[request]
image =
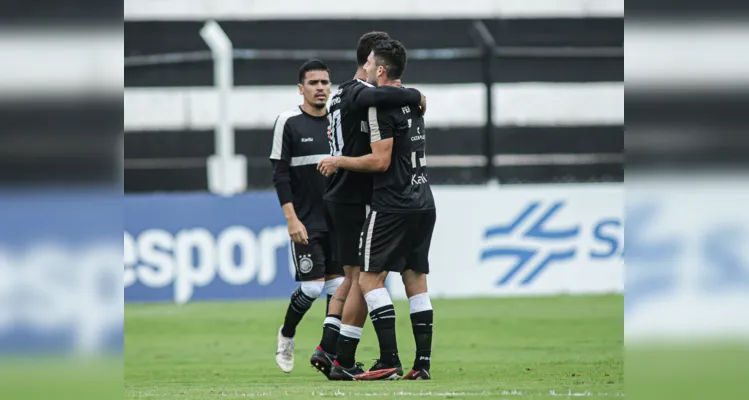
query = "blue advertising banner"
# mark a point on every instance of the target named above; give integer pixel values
(189, 247)
(60, 277)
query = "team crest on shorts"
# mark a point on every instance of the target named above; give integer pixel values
(305, 263)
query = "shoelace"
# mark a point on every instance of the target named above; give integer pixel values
(288, 349)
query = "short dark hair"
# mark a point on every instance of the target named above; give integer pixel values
(312, 65)
(391, 54)
(367, 42)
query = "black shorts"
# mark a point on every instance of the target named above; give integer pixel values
(345, 223)
(397, 241)
(313, 260)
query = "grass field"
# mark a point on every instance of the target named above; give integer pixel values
(530, 348)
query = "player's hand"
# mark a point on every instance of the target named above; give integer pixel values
(327, 166)
(298, 232)
(423, 104)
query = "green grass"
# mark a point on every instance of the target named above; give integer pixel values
(49, 377)
(483, 348)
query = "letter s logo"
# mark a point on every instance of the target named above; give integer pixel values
(603, 235)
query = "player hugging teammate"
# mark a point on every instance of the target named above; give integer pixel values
(379, 216)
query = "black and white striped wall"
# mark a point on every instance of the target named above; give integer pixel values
(557, 118)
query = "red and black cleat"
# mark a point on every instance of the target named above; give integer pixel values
(339, 373)
(418, 374)
(322, 361)
(382, 371)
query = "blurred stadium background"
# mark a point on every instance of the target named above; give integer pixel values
(526, 158)
(556, 77)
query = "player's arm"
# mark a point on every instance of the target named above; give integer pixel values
(381, 130)
(377, 161)
(281, 160)
(389, 97)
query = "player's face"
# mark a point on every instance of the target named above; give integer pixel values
(315, 88)
(372, 69)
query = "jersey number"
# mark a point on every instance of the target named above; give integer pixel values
(418, 159)
(335, 138)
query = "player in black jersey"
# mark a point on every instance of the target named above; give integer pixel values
(349, 193)
(300, 140)
(397, 233)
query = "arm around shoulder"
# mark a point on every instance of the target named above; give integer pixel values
(387, 97)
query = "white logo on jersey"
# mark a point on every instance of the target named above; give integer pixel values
(418, 180)
(307, 139)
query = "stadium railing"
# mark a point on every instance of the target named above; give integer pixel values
(485, 50)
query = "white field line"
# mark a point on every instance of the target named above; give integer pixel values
(340, 393)
(518, 393)
(149, 393)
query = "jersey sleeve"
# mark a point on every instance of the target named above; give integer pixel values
(281, 149)
(387, 97)
(282, 180)
(280, 156)
(381, 126)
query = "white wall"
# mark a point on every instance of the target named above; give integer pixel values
(591, 215)
(391, 9)
(464, 105)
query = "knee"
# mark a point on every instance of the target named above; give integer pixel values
(313, 289)
(414, 282)
(371, 280)
(413, 277)
(351, 273)
(331, 285)
(355, 277)
(363, 279)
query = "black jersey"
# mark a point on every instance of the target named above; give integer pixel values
(349, 134)
(300, 141)
(404, 187)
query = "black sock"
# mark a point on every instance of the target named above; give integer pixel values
(383, 320)
(330, 332)
(346, 350)
(300, 303)
(421, 322)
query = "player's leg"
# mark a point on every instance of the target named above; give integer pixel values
(347, 221)
(415, 281)
(310, 270)
(336, 287)
(322, 359)
(382, 313)
(352, 322)
(383, 250)
(345, 366)
(422, 320)
(332, 283)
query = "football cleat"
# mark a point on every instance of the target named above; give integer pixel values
(382, 371)
(322, 361)
(339, 373)
(285, 352)
(418, 374)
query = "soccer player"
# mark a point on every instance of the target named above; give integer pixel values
(300, 140)
(398, 231)
(347, 198)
